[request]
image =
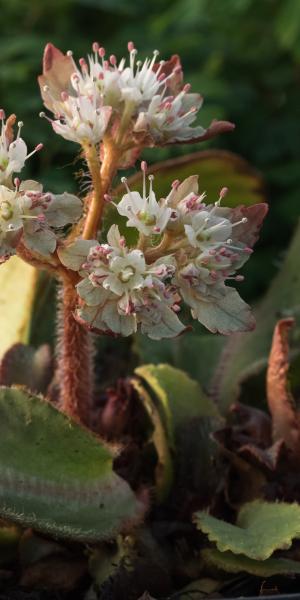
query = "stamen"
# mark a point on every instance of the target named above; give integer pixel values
(113, 60)
(144, 167)
(151, 178)
(83, 64)
(2, 114)
(20, 125)
(130, 46)
(101, 52)
(241, 222)
(36, 149)
(70, 53)
(95, 47)
(17, 183)
(223, 192)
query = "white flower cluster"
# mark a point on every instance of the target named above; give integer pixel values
(187, 251)
(147, 99)
(27, 213)
(121, 291)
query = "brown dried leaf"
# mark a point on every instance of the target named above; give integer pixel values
(286, 424)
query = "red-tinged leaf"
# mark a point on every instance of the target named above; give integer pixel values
(173, 70)
(249, 232)
(286, 423)
(57, 70)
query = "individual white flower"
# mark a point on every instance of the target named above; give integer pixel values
(32, 215)
(169, 120)
(80, 120)
(208, 230)
(218, 307)
(144, 212)
(13, 152)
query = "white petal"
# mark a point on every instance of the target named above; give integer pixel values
(74, 255)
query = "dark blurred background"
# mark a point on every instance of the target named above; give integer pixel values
(242, 55)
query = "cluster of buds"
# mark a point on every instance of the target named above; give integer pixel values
(187, 250)
(138, 103)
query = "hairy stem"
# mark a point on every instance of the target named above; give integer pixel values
(101, 179)
(75, 371)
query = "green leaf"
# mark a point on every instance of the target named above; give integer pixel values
(247, 354)
(183, 419)
(216, 169)
(192, 352)
(261, 528)
(180, 397)
(17, 292)
(233, 563)
(164, 467)
(56, 476)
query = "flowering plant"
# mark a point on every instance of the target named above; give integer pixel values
(186, 250)
(166, 261)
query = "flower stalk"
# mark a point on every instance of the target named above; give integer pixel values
(75, 370)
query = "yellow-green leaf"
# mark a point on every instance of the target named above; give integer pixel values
(261, 528)
(236, 563)
(17, 292)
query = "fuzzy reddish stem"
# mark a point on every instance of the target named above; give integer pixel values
(75, 371)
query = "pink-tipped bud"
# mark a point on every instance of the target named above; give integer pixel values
(122, 242)
(144, 166)
(17, 182)
(175, 184)
(101, 52)
(2, 114)
(95, 47)
(157, 229)
(223, 192)
(113, 60)
(187, 87)
(64, 96)
(130, 46)
(107, 198)
(240, 278)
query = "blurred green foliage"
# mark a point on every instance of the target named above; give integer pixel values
(242, 55)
